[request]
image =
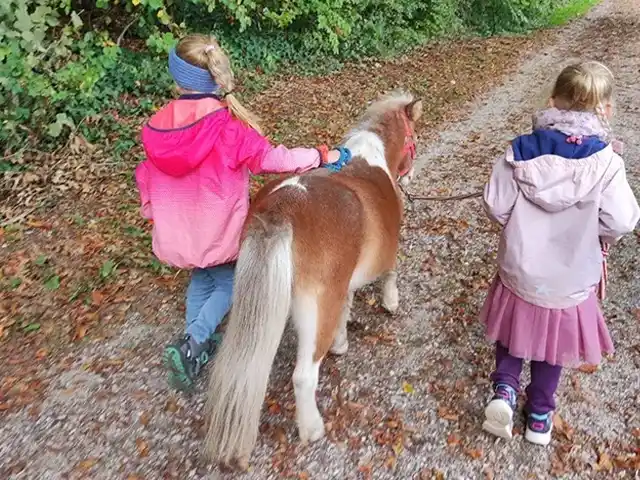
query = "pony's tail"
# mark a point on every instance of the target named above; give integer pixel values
(261, 304)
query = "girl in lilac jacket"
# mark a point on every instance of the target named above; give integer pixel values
(558, 193)
(194, 185)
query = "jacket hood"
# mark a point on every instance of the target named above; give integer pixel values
(555, 174)
(180, 136)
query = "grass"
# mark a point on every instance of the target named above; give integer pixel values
(573, 9)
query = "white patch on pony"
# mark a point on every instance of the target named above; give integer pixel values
(305, 376)
(370, 147)
(361, 276)
(290, 182)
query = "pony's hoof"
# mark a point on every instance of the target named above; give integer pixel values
(235, 464)
(390, 300)
(340, 349)
(390, 307)
(312, 432)
(242, 463)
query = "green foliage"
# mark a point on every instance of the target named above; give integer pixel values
(63, 62)
(571, 10)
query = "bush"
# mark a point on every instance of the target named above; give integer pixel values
(62, 61)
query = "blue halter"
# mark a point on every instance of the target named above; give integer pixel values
(345, 158)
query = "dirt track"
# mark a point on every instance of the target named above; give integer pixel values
(407, 400)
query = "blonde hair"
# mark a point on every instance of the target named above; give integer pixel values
(587, 87)
(204, 51)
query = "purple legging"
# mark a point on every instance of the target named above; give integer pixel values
(544, 380)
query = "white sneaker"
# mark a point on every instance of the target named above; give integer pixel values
(499, 412)
(539, 427)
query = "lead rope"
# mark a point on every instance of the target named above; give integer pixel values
(464, 196)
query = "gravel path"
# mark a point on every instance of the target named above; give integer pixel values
(407, 400)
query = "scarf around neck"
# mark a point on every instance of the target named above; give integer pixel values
(575, 124)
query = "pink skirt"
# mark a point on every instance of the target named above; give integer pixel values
(567, 336)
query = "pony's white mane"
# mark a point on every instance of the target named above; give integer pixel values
(367, 144)
(391, 101)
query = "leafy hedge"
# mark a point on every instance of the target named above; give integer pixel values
(65, 61)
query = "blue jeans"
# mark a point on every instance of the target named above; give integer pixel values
(208, 299)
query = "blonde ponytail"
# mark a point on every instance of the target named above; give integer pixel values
(205, 52)
(241, 113)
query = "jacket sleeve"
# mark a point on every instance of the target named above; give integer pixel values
(501, 192)
(257, 153)
(619, 211)
(142, 180)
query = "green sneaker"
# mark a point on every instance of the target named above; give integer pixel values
(185, 359)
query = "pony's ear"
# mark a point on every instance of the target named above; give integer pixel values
(414, 110)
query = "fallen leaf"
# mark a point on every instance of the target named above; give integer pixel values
(474, 453)
(107, 269)
(279, 435)
(87, 464)
(80, 333)
(133, 476)
(143, 447)
(391, 462)
(171, 405)
(631, 462)
(16, 468)
(145, 417)
(303, 476)
(562, 427)
(407, 388)
(97, 297)
(53, 283)
(42, 353)
(39, 224)
(398, 447)
(274, 408)
(140, 395)
(588, 368)
(444, 412)
(365, 470)
(431, 474)
(371, 301)
(604, 463)
(453, 440)
(636, 432)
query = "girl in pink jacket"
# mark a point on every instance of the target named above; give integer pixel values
(194, 185)
(558, 193)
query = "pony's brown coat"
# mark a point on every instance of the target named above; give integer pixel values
(343, 232)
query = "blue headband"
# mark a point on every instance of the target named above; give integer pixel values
(189, 76)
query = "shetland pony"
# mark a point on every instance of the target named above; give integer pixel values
(309, 242)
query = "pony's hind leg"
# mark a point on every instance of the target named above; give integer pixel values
(341, 342)
(316, 318)
(390, 300)
(305, 375)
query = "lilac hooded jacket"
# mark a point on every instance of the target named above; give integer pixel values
(556, 201)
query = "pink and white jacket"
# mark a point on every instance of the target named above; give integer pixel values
(557, 198)
(194, 184)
